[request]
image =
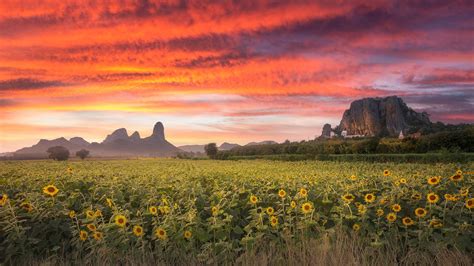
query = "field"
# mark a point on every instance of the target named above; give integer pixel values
(246, 212)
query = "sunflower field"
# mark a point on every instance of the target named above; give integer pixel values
(217, 210)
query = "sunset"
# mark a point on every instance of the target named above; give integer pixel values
(242, 71)
(240, 132)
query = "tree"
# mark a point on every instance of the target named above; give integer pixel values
(58, 153)
(211, 150)
(82, 153)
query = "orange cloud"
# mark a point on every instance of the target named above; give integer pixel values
(210, 61)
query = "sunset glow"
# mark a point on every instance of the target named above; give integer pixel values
(215, 71)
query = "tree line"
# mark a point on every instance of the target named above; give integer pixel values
(458, 140)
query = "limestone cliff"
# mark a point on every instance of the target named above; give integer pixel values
(381, 117)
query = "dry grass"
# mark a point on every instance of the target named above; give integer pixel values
(338, 249)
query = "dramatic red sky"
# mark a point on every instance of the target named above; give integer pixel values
(234, 71)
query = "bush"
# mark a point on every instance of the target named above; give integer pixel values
(58, 153)
(211, 150)
(82, 154)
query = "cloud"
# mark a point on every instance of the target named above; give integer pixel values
(29, 84)
(442, 78)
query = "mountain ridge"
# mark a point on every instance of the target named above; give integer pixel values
(118, 143)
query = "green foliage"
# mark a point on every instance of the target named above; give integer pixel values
(211, 150)
(456, 140)
(58, 153)
(212, 199)
(82, 154)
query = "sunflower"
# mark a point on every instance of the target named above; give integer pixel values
(120, 220)
(26, 206)
(456, 177)
(435, 223)
(160, 233)
(464, 191)
(420, 212)
(110, 203)
(3, 199)
(449, 197)
(164, 209)
(391, 217)
(187, 234)
(306, 207)
(83, 235)
(402, 181)
(281, 193)
(274, 221)
(470, 203)
(416, 196)
(396, 207)
(98, 236)
(459, 172)
(362, 209)
(434, 180)
(72, 214)
(90, 214)
(214, 211)
(270, 211)
(138, 230)
(386, 172)
(353, 178)
(153, 210)
(303, 192)
(383, 201)
(356, 227)
(50, 190)
(348, 198)
(407, 221)
(369, 198)
(293, 204)
(432, 198)
(91, 227)
(380, 212)
(253, 199)
(98, 213)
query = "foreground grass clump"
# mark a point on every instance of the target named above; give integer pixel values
(245, 212)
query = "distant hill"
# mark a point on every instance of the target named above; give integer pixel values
(227, 146)
(118, 143)
(200, 148)
(192, 148)
(265, 142)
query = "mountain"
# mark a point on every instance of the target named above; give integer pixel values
(39, 149)
(118, 143)
(135, 136)
(228, 146)
(78, 141)
(192, 148)
(200, 148)
(265, 142)
(379, 117)
(120, 133)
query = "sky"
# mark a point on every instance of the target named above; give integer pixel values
(215, 71)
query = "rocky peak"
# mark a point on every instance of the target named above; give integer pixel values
(381, 117)
(78, 141)
(135, 136)
(227, 146)
(120, 133)
(158, 131)
(326, 133)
